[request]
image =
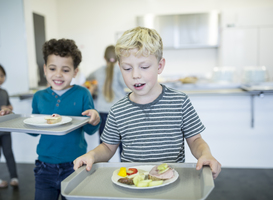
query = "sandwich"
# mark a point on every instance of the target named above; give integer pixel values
(53, 119)
(161, 172)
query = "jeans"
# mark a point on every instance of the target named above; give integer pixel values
(5, 144)
(48, 178)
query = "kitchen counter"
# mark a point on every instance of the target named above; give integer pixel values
(219, 89)
(194, 89)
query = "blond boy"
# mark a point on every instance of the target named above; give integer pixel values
(153, 120)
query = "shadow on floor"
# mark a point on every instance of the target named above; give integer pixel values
(231, 184)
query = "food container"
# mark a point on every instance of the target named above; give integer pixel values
(254, 75)
(97, 184)
(223, 75)
(15, 123)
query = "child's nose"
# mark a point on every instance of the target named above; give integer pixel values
(136, 74)
(58, 73)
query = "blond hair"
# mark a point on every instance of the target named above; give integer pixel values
(111, 59)
(146, 41)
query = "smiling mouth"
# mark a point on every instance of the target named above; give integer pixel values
(58, 82)
(139, 84)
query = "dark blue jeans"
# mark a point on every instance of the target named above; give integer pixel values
(48, 178)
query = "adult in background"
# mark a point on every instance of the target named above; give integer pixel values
(109, 87)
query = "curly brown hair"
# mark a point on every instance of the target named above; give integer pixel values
(63, 48)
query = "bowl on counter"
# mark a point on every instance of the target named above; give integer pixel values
(223, 75)
(254, 75)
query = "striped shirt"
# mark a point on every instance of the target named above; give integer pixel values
(153, 132)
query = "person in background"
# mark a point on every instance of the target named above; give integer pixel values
(79, 79)
(109, 86)
(56, 153)
(5, 137)
(153, 120)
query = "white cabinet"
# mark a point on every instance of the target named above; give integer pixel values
(246, 39)
(266, 49)
(229, 134)
(239, 47)
(249, 17)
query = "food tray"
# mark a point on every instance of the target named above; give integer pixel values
(96, 184)
(14, 123)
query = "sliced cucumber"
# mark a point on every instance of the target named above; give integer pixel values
(162, 166)
(162, 171)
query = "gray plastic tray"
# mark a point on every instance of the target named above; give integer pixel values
(14, 123)
(97, 184)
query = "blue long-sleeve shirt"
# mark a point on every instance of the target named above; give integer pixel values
(65, 148)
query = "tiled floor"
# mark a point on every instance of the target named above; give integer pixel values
(232, 184)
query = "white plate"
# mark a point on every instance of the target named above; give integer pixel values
(40, 121)
(116, 177)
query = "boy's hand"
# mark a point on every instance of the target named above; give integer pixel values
(201, 151)
(94, 116)
(208, 159)
(5, 110)
(87, 159)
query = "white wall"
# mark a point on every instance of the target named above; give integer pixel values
(94, 24)
(13, 55)
(48, 9)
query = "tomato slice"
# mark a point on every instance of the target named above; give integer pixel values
(131, 171)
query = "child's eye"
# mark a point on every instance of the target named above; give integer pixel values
(127, 69)
(51, 69)
(145, 67)
(66, 71)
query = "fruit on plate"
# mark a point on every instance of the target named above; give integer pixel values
(131, 171)
(155, 183)
(122, 172)
(88, 84)
(144, 183)
(138, 178)
(161, 172)
(163, 168)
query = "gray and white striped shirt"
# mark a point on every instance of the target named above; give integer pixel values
(153, 132)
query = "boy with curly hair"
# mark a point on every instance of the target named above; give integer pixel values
(153, 120)
(56, 153)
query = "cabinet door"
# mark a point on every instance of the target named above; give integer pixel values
(239, 47)
(232, 140)
(266, 49)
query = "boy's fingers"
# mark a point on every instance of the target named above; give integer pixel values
(89, 165)
(216, 169)
(92, 119)
(85, 113)
(77, 164)
(199, 165)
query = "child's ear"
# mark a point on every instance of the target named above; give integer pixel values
(75, 72)
(161, 65)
